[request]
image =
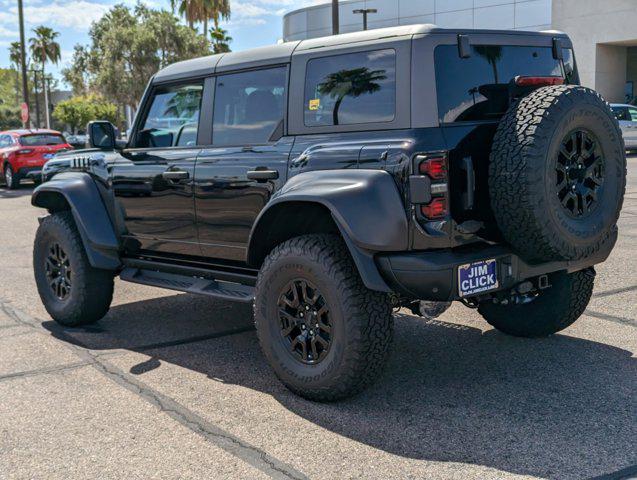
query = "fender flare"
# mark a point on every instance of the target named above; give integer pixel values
(366, 207)
(82, 196)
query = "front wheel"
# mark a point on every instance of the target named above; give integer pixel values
(323, 332)
(72, 291)
(547, 312)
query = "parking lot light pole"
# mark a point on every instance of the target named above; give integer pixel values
(335, 19)
(364, 12)
(23, 61)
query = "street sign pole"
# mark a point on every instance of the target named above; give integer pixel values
(23, 61)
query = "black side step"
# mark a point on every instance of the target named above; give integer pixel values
(203, 286)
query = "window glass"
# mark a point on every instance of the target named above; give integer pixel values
(41, 139)
(173, 117)
(5, 141)
(570, 71)
(248, 106)
(476, 88)
(350, 89)
(633, 114)
(621, 113)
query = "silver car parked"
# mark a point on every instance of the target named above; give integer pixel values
(627, 116)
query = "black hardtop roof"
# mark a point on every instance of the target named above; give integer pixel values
(282, 53)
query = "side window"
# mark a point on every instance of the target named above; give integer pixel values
(352, 88)
(633, 114)
(248, 106)
(173, 117)
(5, 141)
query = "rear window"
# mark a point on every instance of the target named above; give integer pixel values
(41, 139)
(476, 88)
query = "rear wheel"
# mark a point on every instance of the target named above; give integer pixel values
(324, 333)
(547, 312)
(72, 291)
(11, 179)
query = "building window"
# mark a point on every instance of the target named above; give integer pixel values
(249, 106)
(350, 89)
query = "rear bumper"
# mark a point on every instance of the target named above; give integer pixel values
(33, 173)
(433, 275)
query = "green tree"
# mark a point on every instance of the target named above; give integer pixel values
(15, 58)
(77, 74)
(44, 48)
(77, 111)
(129, 45)
(9, 117)
(220, 40)
(350, 83)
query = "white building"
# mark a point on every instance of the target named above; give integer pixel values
(604, 32)
(316, 21)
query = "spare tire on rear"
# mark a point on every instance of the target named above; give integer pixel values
(557, 174)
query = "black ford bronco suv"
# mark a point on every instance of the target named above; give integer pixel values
(331, 180)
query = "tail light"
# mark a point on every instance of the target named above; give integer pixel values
(24, 151)
(434, 171)
(538, 81)
(437, 208)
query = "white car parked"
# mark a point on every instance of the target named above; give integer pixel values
(627, 116)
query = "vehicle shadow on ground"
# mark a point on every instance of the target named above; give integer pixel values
(561, 407)
(22, 191)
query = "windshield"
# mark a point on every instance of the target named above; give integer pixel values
(41, 139)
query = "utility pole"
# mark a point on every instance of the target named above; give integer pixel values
(46, 102)
(365, 12)
(37, 101)
(23, 61)
(335, 20)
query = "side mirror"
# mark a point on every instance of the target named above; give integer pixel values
(101, 134)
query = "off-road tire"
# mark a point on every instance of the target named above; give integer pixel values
(362, 319)
(91, 290)
(14, 182)
(552, 311)
(522, 173)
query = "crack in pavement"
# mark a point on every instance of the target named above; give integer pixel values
(615, 291)
(250, 454)
(611, 318)
(44, 370)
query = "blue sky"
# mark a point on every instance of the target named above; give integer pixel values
(253, 23)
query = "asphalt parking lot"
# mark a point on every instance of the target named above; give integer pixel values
(174, 386)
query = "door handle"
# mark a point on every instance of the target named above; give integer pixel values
(175, 175)
(262, 175)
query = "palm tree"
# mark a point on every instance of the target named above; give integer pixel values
(15, 57)
(492, 54)
(191, 10)
(218, 10)
(350, 83)
(44, 48)
(220, 40)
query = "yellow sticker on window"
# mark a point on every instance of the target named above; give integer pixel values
(314, 104)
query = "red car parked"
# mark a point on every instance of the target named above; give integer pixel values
(24, 152)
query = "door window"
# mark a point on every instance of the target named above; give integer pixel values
(621, 113)
(173, 118)
(352, 88)
(5, 141)
(633, 114)
(249, 106)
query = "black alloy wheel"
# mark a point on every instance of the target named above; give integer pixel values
(579, 173)
(58, 271)
(305, 322)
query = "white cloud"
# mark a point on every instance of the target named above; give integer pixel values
(76, 14)
(7, 32)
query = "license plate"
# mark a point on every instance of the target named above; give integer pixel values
(477, 277)
(48, 156)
